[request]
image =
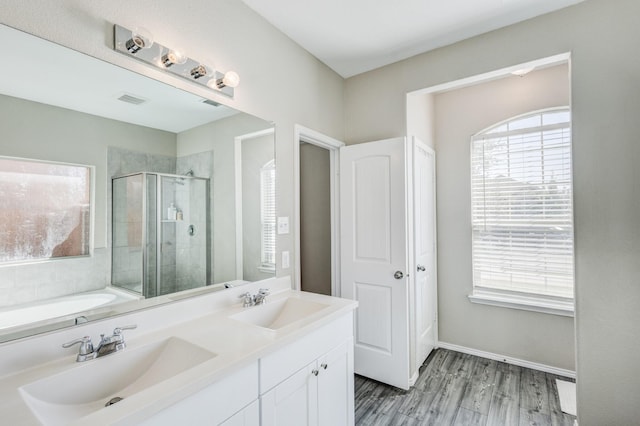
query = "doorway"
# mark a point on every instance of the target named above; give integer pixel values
(316, 203)
(315, 219)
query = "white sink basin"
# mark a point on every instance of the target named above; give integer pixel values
(279, 313)
(86, 388)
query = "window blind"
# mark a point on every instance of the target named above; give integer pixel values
(268, 214)
(521, 205)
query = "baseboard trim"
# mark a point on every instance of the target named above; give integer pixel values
(509, 360)
(413, 379)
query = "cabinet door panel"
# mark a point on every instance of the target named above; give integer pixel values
(335, 386)
(293, 402)
(250, 416)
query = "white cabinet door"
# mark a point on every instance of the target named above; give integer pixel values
(373, 220)
(424, 246)
(250, 416)
(335, 387)
(293, 402)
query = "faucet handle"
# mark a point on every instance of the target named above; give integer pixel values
(248, 299)
(86, 345)
(118, 330)
(264, 291)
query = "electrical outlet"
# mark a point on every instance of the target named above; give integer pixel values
(283, 225)
(285, 260)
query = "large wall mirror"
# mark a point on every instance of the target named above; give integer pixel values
(120, 192)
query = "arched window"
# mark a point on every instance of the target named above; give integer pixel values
(268, 215)
(522, 208)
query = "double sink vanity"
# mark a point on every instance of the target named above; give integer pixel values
(200, 360)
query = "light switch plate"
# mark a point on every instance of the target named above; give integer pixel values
(283, 225)
(285, 260)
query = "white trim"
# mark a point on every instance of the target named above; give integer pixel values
(526, 302)
(509, 360)
(303, 134)
(414, 378)
(492, 75)
(237, 153)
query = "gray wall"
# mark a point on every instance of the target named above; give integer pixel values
(605, 90)
(458, 115)
(315, 219)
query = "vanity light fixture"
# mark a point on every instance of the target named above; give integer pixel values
(140, 45)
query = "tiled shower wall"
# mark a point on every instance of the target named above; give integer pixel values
(192, 250)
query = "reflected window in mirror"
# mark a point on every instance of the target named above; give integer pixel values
(268, 215)
(46, 210)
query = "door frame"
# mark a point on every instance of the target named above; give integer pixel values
(304, 134)
(237, 155)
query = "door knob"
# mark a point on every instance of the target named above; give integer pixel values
(398, 275)
(421, 268)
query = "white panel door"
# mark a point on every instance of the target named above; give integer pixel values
(424, 244)
(374, 256)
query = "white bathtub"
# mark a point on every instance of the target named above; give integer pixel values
(57, 307)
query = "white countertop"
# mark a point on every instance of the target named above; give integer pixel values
(236, 344)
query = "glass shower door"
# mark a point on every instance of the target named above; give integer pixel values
(183, 242)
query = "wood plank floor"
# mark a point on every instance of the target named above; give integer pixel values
(460, 389)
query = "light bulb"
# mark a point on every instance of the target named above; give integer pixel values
(173, 57)
(140, 39)
(231, 79)
(200, 71)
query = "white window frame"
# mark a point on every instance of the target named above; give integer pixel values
(89, 235)
(518, 299)
(267, 218)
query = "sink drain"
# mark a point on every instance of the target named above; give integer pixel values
(113, 401)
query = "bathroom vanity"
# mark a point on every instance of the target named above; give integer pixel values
(204, 360)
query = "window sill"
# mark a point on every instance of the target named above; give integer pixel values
(527, 302)
(267, 269)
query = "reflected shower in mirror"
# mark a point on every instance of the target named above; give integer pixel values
(165, 198)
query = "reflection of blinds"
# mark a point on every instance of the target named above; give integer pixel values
(521, 205)
(268, 214)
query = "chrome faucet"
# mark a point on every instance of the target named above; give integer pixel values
(261, 297)
(252, 300)
(107, 345)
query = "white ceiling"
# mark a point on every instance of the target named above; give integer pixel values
(354, 36)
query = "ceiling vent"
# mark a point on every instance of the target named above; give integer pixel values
(210, 102)
(131, 99)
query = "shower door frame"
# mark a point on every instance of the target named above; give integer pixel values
(159, 228)
(158, 222)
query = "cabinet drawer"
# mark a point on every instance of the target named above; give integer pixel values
(277, 366)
